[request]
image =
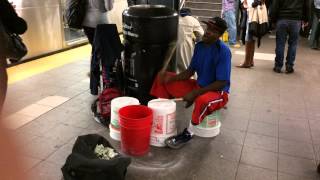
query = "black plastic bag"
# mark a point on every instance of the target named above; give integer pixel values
(75, 13)
(83, 164)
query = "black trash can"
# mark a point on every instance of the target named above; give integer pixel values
(149, 31)
(174, 4)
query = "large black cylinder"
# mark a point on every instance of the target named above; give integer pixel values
(149, 31)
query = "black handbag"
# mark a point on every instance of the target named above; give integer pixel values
(12, 46)
(83, 163)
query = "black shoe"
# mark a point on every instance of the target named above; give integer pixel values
(277, 69)
(176, 142)
(289, 70)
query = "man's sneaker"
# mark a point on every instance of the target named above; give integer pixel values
(176, 142)
(289, 70)
(277, 69)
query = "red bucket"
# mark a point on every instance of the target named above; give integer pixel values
(135, 128)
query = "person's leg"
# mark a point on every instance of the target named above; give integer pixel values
(281, 38)
(3, 81)
(317, 34)
(312, 41)
(89, 32)
(230, 18)
(206, 104)
(293, 30)
(243, 26)
(249, 50)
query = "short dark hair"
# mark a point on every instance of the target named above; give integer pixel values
(185, 12)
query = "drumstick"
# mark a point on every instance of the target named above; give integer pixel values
(167, 58)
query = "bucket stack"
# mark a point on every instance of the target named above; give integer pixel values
(135, 126)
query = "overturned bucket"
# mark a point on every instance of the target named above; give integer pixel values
(135, 128)
(209, 127)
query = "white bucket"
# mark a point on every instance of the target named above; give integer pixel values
(206, 132)
(164, 120)
(158, 140)
(116, 104)
(210, 120)
(114, 133)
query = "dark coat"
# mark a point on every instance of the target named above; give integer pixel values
(289, 9)
(10, 19)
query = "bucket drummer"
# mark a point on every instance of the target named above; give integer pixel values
(212, 63)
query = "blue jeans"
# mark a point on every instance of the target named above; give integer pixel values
(286, 28)
(230, 17)
(315, 34)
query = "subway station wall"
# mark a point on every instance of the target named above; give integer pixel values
(46, 28)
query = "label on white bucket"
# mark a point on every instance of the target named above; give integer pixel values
(118, 103)
(210, 120)
(164, 116)
(171, 123)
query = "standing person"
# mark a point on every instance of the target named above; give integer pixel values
(249, 39)
(315, 34)
(229, 15)
(243, 23)
(212, 63)
(96, 14)
(288, 15)
(14, 24)
(189, 27)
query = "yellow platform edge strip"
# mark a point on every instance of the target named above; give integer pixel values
(26, 70)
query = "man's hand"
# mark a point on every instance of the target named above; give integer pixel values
(189, 98)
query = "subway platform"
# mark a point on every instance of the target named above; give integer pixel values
(270, 128)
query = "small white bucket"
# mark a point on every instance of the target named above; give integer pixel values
(210, 120)
(164, 120)
(206, 132)
(116, 104)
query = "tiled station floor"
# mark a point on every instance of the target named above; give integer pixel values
(270, 129)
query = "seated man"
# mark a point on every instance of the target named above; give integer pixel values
(212, 63)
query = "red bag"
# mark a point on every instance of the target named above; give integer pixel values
(103, 112)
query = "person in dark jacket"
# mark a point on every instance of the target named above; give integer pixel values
(12, 23)
(287, 14)
(315, 34)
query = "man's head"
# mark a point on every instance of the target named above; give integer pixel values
(215, 28)
(185, 12)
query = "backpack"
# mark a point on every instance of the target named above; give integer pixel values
(75, 13)
(101, 107)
